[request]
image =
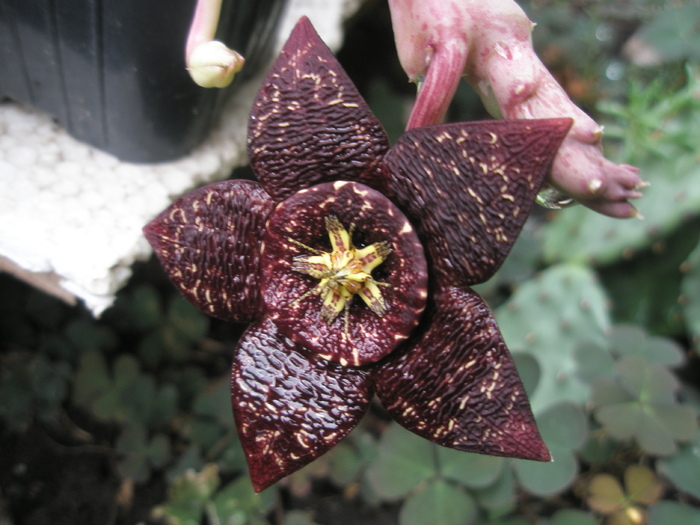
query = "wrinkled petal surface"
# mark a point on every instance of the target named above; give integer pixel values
(209, 243)
(309, 124)
(457, 386)
(290, 406)
(364, 337)
(469, 188)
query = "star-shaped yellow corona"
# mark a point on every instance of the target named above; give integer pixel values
(344, 272)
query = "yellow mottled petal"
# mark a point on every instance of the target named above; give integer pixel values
(373, 255)
(333, 303)
(313, 265)
(372, 296)
(340, 238)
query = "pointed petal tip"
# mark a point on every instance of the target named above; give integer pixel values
(303, 31)
(151, 233)
(477, 402)
(539, 450)
(259, 479)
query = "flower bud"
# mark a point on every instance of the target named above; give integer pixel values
(212, 64)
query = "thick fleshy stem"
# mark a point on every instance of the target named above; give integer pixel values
(490, 44)
(209, 62)
(437, 89)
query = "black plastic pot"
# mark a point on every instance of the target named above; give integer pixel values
(112, 72)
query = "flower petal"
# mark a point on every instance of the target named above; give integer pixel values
(290, 406)
(209, 243)
(309, 124)
(457, 384)
(468, 188)
(374, 323)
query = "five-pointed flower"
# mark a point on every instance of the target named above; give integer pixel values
(353, 260)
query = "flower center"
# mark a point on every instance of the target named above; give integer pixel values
(344, 272)
(328, 243)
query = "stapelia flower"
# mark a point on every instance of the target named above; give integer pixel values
(490, 44)
(352, 261)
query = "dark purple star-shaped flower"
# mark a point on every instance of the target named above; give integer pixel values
(353, 261)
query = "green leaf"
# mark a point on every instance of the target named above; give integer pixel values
(528, 370)
(680, 420)
(500, 495)
(647, 287)
(572, 517)
(188, 495)
(351, 457)
(404, 460)
(189, 322)
(629, 340)
(159, 450)
(191, 460)
(598, 450)
(593, 360)
(607, 391)
(345, 464)
(136, 310)
(642, 406)
(87, 335)
(690, 287)
(564, 426)
(627, 421)
(92, 379)
(470, 470)
(683, 468)
(237, 499)
(646, 382)
(438, 503)
(214, 403)
(137, 455)
(547, 318)
(668, 512)
(547, 479)
(133, 454)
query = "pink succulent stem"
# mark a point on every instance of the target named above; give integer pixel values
(490, 44)
(204, 23)
(439, 86)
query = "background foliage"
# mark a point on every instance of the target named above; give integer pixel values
(126, 419)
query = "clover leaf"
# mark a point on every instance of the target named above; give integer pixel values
(682, 468)
(440, 485)
(624, 506)
(666, 512)
(640, 404)
(439, 503)
(595, 360)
